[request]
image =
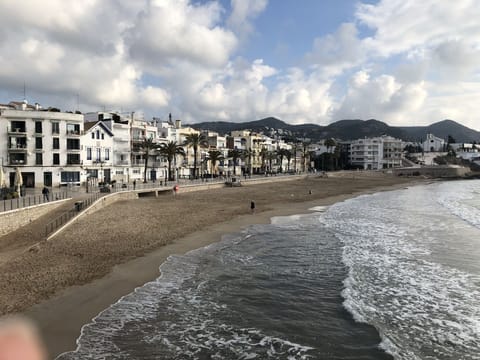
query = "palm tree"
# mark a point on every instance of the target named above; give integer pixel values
(235, 154)
(195, 141)
(270, 156)
(330, 143)
(170, 150)
(281, 154)
(147, 146)
(305, 154)
(288, 155)
(295, 150)
(249, 154)
(214, 156)
(263, 155)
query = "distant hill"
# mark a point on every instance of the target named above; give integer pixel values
(345, 129)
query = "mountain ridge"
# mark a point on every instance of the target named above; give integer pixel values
(346, 129)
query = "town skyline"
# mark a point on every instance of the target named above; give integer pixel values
(244, 60)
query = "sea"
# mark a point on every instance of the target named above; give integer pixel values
(391, 275)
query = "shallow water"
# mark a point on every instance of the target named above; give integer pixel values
(391, 273)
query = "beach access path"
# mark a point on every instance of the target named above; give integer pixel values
(104, 256)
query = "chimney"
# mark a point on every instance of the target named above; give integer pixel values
(24, 104)
(178, 124)
(37, 106)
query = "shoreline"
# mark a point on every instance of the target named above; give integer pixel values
(61, 317)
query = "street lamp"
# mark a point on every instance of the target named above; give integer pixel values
(165, 173)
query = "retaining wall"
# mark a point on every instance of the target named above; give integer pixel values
(14, 219)
(433, 171)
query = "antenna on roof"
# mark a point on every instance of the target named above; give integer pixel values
(78, 101)
(24, 91)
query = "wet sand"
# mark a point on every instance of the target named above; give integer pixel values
(71, 278)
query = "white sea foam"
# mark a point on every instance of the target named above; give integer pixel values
(422, 308)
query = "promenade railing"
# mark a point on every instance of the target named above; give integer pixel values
(31, 200)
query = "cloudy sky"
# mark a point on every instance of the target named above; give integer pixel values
(405, 62)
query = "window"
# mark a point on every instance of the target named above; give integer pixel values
(73, 159)
(89, 153)
(55, 128)
(107, 154)
(70, 176)
(73, 144)
(103, 136)
(38, 143)
(56, 143)
(38, 127)
(98, 134)
(99, 155)
(93, 135)
(39, 159)
(56, 159)
(73, 129)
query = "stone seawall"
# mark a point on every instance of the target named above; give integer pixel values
(433, 171)
(14, 219)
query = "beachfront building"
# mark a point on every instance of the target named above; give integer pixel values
(376, 153)
(433, 143)
(45, 144)
(97, 153)
(253, 143)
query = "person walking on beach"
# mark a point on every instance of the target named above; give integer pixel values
(175, 190)
(252, 206)
(134, 184)
(45, 193)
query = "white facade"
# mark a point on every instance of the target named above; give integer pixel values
(376, 153)
(433, 144)
(45, 145)
(97, 152)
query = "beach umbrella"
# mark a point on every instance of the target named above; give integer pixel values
(18, 180)
(2, 178)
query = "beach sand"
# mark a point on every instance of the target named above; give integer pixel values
(68, 280)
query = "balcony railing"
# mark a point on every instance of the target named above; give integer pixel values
(17, 162)
(74, 162)
(17, 130)
(73, 132)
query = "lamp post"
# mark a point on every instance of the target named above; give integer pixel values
(165, 174)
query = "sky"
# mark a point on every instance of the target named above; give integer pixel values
(404, 62)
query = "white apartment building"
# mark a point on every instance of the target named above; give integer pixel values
(376, 153)
(45, 145)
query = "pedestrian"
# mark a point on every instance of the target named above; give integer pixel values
(175, 189)
(45, 193)
(252, 206)
(134, 184)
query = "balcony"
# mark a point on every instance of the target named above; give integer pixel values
(74, 162)
(73, 133)
(17, 131)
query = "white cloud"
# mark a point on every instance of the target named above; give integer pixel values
(243, 12)
(381, 98)
(338, 51)
(419, 64)
(168, 31)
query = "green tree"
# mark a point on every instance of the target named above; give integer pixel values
(148, 146)
(235, 154)
(249, 154)
(305, 154)
(263, 156)
(270, 157)
(214, 156)
(196, 141)
(330, 143)
(170, 150)
(288, 155)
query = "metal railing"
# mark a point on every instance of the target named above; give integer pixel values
(31, 200)
(55, 224)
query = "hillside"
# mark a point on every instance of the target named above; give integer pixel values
(345, 129)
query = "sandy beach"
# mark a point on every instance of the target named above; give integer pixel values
(106, 255)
